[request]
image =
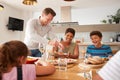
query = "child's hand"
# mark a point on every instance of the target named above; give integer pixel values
(41, 63)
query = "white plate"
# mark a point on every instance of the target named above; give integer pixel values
(69, 61)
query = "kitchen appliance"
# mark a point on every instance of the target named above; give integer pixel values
(118, 37)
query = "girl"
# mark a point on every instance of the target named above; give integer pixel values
(13, 56)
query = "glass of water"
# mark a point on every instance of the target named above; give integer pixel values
(42, 48)
(62, 63)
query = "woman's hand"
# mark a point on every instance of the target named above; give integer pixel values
(56, 43)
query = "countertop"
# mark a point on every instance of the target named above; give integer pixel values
(107, 43)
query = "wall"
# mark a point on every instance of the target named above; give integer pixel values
(83, 31)
(88, 16)
(84, 16)
(93, 15)
(5, 34)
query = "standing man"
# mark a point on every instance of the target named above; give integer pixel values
(38, 31)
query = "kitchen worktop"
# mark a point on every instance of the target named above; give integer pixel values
(115, 46)
(107, 43)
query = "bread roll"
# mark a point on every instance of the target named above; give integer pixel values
(94, 60)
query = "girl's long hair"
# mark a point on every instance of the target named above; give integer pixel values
(10, 52)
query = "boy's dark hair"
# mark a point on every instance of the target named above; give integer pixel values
(98, 33)
(49, 10)
(71, 30)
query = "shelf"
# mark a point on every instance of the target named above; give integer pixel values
(89, 28)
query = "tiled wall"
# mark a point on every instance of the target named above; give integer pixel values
(85, 36)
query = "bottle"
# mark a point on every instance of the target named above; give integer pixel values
(111, 39)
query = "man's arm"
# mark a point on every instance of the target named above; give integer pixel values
(32, 33)
(51, 35)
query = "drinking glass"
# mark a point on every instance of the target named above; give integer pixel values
(87, 55)
(82, 52)
(42, 48)
(62, 63)
(109, 56)
(50, 52)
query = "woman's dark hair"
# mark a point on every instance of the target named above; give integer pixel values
(71, 30)
(98, 33)
(49, 10)
(10, 52)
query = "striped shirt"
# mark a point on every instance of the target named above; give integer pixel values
(111, 70)
(103, 51)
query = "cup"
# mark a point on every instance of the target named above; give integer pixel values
(62, 63)
(42, 48)
(109, 56)
(82, 54)
(86, 57)
(50, 52)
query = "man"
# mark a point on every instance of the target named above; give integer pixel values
(111, 70)
(38, 31)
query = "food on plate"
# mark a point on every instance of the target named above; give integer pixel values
(94, 60)
(55, 62)
(105, 59)
(31, 60)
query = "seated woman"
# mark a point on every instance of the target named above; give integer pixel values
(98, 49)
(70, 49)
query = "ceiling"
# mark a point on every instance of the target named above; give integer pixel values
(55, 4)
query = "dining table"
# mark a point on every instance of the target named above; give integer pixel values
(73, 72)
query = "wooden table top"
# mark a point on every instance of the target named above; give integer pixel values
(73, 73)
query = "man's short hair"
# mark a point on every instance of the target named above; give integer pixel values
(49, 10)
